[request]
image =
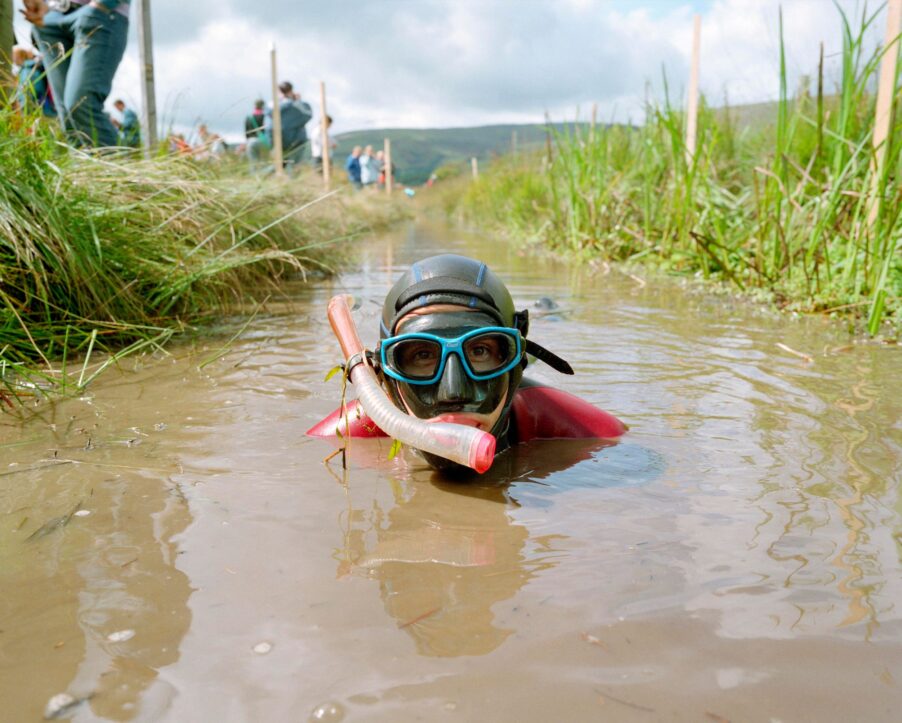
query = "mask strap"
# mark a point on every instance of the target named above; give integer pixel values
(550, 358)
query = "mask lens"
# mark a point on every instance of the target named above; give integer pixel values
(489, 352)
(414, 358)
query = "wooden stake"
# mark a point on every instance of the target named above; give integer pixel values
(148, 92)
(474, 167)
(692, 111)
(324, 128)
(594, 121)
(388, 166)
(885, 93)
(7, 40)
(514, 143)
(276, 115)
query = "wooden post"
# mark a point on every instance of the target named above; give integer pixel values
(549, 154)
(692, 111)
(885, 93)
(474, 167)
(514, 143)
(324, 128)
(7, 40)
(148, 91)
(594, 122)
(276, 115)
(388, 166)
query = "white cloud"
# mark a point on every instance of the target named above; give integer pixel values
(416, 63)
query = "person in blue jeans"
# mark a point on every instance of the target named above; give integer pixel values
(352, 166)
(82, 44)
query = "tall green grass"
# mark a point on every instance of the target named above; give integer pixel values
(784, 208)
(101, 254)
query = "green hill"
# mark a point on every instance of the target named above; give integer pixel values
(416, 153)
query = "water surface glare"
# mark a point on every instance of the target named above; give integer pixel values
(173, 548)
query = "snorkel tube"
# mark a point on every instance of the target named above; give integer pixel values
(462, 444)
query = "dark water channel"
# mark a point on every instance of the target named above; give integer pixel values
(736, 557)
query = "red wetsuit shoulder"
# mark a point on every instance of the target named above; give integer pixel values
(547, 413)
(537, 413)
(357, 424)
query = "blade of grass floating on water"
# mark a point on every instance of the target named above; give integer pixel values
(228, 345)
(54, 524)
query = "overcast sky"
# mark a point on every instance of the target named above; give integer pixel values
(443, 63)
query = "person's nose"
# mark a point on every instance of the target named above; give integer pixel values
(455, 385)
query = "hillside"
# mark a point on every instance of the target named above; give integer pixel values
(417, 152)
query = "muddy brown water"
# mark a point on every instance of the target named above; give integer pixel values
(736, 557)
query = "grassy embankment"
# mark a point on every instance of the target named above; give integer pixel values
(786, 211)
(104, 254)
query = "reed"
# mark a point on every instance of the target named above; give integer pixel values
(781, 208)
(102, 255)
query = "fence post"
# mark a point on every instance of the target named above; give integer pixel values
(692, 110)
(276, 115)
(474, 167)
(148, 92)
(388, 166)
(594, 122)
(885, 93)
(7, 40)
(324, 130)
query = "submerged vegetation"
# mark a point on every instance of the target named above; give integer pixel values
(105, 253)
(797, 209)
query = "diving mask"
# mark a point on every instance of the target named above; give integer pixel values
(419, 358)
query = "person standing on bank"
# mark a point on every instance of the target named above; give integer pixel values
(295, 115)
(82, 44)
(129, 127)
(256, 142)
(369, 168)
(316, 144)
(352, 166)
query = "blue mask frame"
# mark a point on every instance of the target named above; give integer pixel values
(451, 346)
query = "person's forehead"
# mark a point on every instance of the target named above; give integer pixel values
(443, 316)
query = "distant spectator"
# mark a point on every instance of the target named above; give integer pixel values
(82, 47)
(352, 165)
(380, 159)
(316, 143)
(32, 89)
(129, 127)
(257, 144)
(210, 145)
(295, 115)
(253, 123)
(380, 162)
(178, 144)
(369, 168)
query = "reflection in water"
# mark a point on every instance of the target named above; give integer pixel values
(99, 604)
(443, 555)
(446, 551)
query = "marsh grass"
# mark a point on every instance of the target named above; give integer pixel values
(787, 208)
(102, 256)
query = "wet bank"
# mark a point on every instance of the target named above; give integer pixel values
(736, 556)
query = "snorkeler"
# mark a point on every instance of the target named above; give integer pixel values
(453, 349)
